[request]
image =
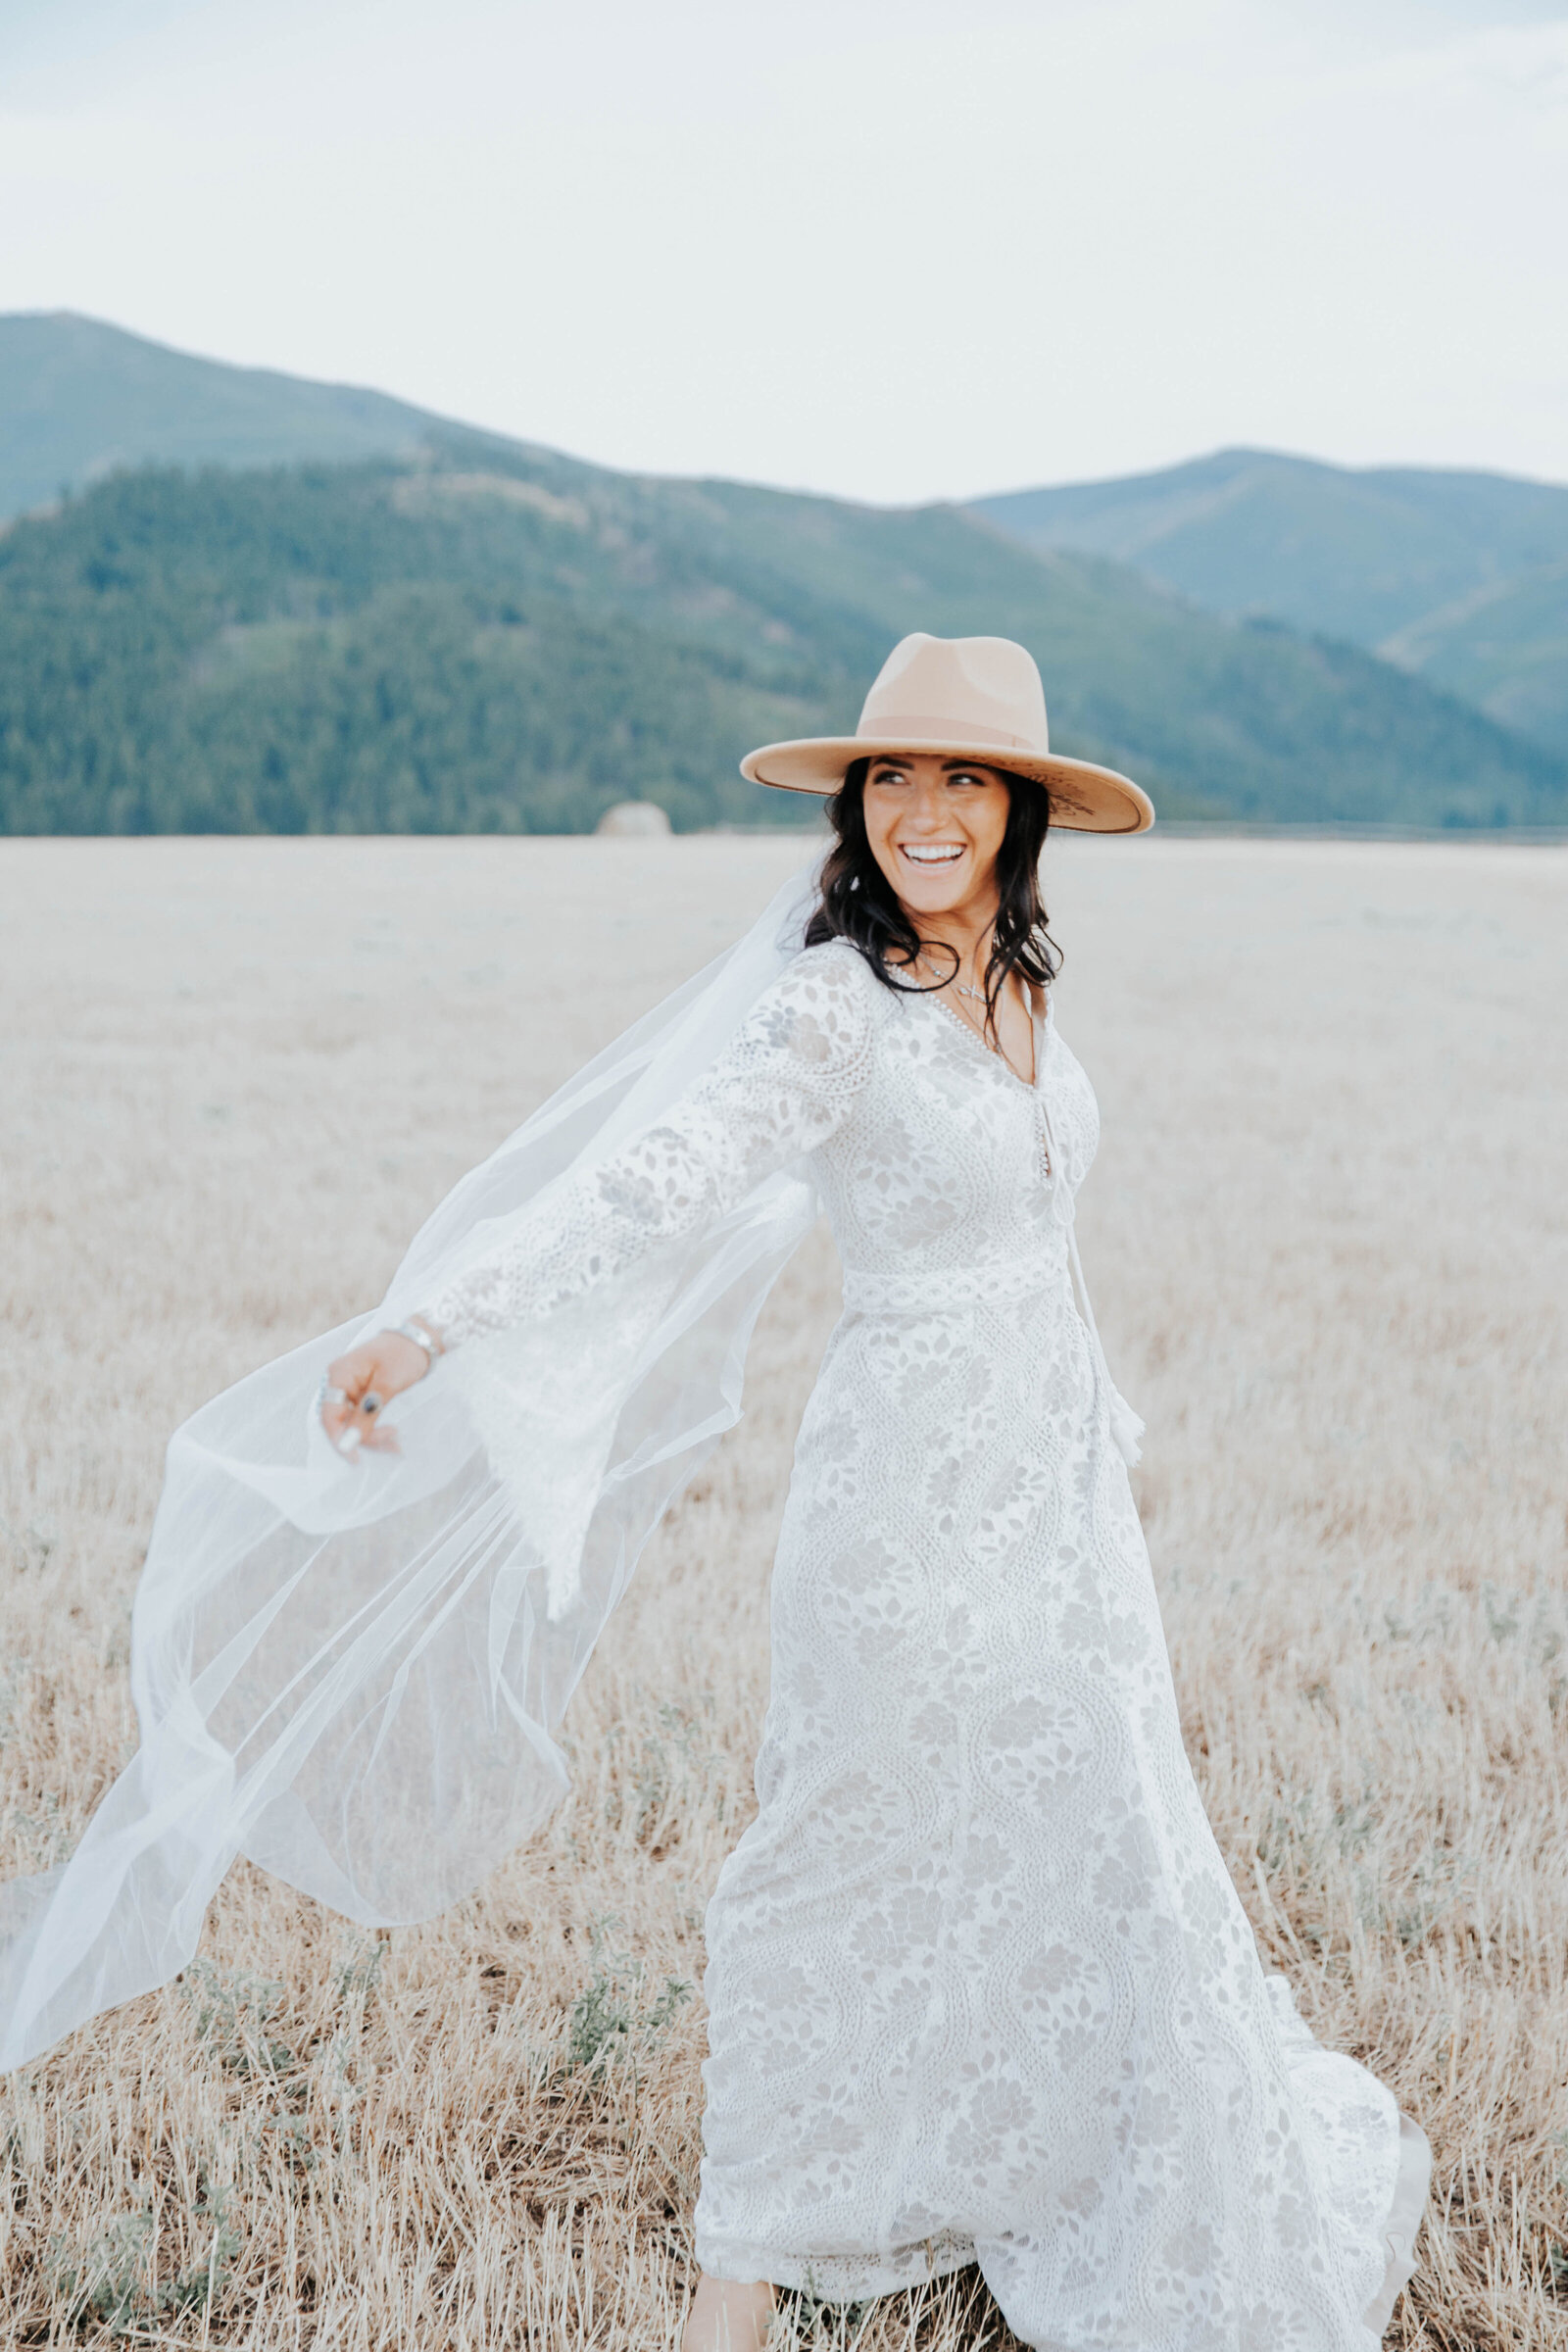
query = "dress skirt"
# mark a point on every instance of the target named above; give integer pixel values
(979, 1985)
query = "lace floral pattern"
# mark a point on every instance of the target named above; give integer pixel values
(784, 1086)
(979, 1985)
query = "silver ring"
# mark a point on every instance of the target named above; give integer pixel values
(327, 1394)
(370, 1403)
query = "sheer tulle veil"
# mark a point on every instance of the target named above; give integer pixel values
(355, 1673)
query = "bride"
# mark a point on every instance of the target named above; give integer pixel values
(979, 1985)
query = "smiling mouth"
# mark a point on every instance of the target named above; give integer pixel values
(937, 852)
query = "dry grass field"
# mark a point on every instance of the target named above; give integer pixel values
(1328, 1237)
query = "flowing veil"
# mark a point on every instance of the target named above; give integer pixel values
(354, 1673)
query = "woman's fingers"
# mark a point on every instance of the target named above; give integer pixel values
(356, 1389)
(336, 1414)
(373, 1436)
(348, 1380)
(332, 1399)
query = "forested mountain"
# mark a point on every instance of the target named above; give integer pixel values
(79, 398)
(1459, 577)
(495, 638)
(437, 629)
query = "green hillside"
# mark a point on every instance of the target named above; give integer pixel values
(494, 638)
(78, 399)
(1504, 648)
(1461, 577)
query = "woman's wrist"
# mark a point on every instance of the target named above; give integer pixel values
(424, 1334)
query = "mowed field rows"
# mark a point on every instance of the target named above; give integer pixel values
(1328, 1241)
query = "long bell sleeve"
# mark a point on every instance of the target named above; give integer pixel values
(787, 1080)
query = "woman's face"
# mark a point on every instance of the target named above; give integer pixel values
(935, 827)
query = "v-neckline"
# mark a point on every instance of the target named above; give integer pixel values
(1039, 1022)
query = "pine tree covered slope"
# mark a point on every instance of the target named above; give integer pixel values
(495, 638)
(1461, 578)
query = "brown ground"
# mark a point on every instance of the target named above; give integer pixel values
(1328, 1242)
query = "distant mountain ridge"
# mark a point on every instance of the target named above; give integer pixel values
(458, 631)
(79, 398)
(1461, 578)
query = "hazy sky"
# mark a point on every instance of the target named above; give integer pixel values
(891, 248)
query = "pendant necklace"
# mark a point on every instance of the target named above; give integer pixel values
(961, 988)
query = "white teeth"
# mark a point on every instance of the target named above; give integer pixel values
(941, 854)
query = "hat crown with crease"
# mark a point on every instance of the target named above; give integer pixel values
(975, 699)
(969, 689)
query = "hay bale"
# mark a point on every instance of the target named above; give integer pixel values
(633, 819)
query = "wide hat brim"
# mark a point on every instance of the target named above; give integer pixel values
(1084, 797)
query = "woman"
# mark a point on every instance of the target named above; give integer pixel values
(979, 1985)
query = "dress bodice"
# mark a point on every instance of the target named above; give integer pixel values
(945, 1183)
(946, 1179)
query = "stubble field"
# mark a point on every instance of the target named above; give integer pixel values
(1328, 1242)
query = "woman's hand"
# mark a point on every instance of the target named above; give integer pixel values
(358, 1385)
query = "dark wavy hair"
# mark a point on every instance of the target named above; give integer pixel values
(861, 905)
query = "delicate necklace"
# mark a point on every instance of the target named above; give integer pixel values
(992, 1045)
(942, 985)
(960, 988)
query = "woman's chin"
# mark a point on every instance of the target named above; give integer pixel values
(934, 891)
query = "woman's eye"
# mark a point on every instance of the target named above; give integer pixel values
(891, 776)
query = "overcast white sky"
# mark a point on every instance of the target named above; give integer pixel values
(895, 249)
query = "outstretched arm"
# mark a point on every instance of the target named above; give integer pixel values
(787, 1080)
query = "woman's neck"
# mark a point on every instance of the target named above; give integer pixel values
(963, 932)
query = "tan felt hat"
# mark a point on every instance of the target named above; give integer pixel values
(966, 697)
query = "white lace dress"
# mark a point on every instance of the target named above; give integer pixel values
(979, 1985)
